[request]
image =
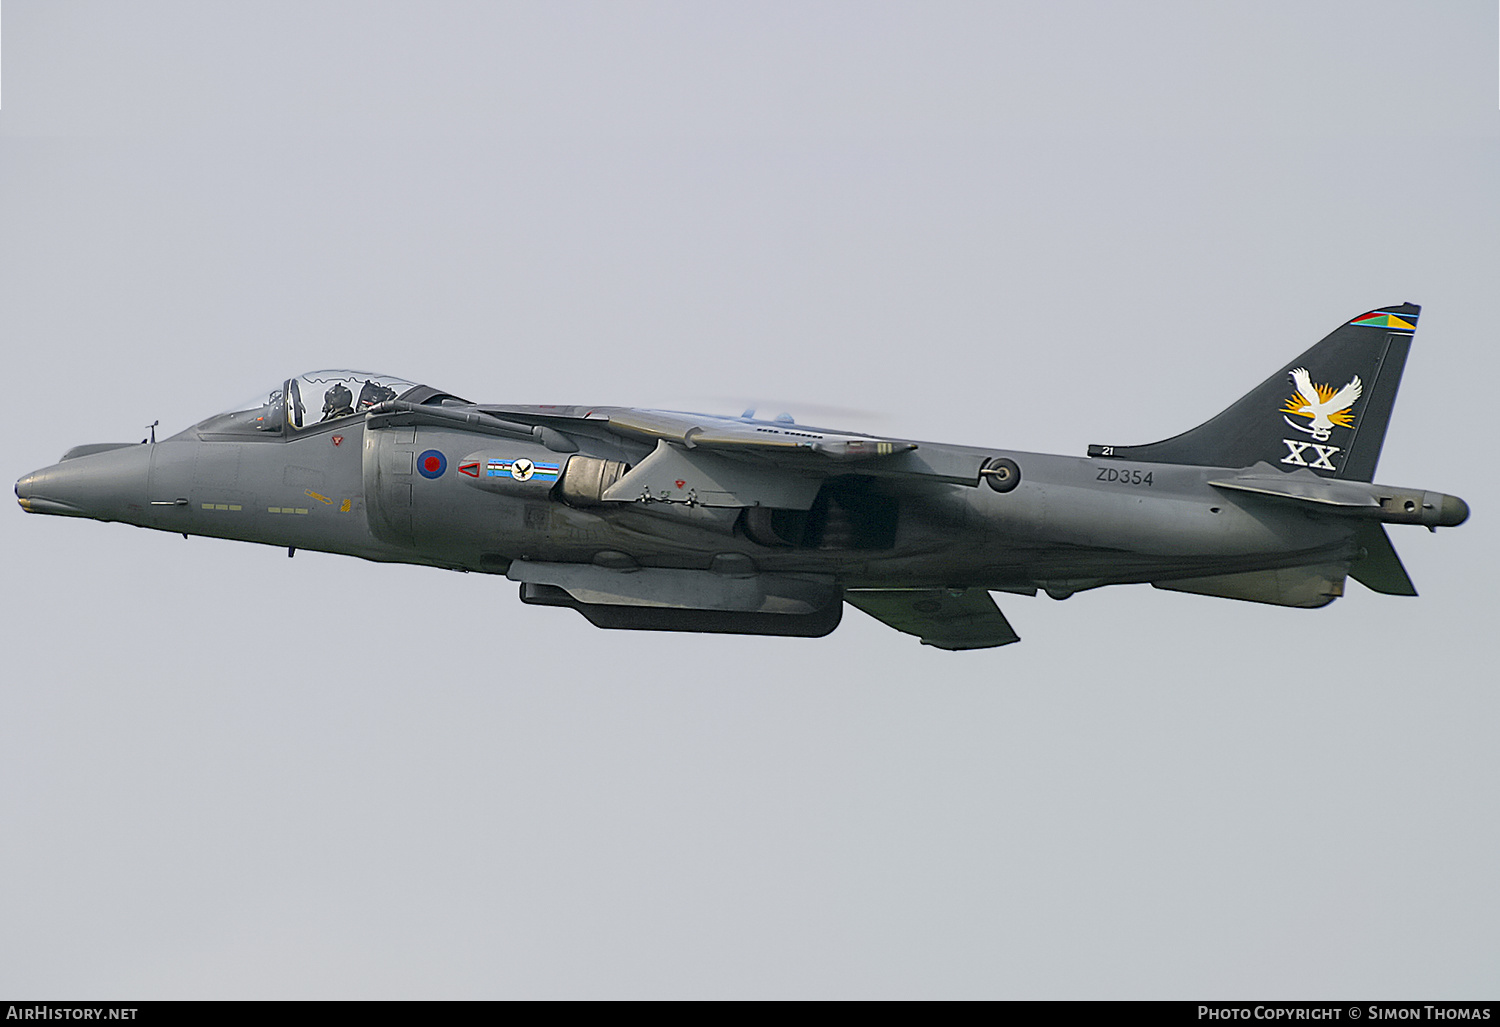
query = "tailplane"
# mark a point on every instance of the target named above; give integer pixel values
(1326, 411)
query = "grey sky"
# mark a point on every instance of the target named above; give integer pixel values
(227, 774)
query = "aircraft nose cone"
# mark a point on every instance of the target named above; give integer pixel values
(108, 486)
(28, 486)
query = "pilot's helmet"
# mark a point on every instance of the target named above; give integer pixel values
(336, 401)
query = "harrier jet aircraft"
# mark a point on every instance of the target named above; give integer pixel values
(665, 521)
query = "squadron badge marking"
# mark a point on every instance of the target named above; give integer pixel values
(523, 469)
(1323, 405)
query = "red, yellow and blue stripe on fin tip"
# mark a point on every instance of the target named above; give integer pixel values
(1385, 319)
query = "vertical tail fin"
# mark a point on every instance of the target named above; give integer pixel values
(1326, 411)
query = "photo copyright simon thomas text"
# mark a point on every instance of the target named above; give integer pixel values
(1376, 1011)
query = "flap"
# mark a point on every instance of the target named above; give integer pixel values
(940, 617)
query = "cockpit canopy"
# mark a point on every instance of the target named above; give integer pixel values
(309, 400)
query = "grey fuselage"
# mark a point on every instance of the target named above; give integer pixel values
(1071, 523)
(657, 520)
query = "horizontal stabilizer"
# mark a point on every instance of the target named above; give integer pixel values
(939, 616)
(1379, 568)
(1384, 503)
(1303, 486)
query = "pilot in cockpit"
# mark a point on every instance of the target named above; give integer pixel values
(372, 394)
(337, 402)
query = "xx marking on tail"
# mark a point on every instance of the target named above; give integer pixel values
(1321, 455)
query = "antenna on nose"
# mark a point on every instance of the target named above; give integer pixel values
(152, 426)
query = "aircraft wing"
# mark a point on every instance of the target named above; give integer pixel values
(752, 437)
(939, 616)
(727, 461)
(708, 431)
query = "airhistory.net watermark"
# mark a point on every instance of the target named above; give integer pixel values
(52, 1011)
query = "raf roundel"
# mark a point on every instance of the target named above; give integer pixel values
(432, 464)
